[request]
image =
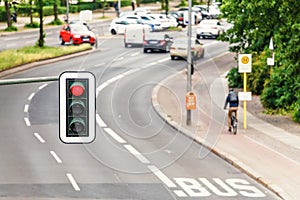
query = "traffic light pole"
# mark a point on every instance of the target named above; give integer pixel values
(189, 62)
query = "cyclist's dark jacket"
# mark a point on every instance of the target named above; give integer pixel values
(231, 103)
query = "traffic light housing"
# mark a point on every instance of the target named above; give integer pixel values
(77, 107)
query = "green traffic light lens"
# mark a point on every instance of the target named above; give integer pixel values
(77, 125)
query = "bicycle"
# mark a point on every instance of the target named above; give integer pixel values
(234, 122)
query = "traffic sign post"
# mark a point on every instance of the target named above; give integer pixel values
(77, 107)
(245, 66)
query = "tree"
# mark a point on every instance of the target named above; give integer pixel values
(41, 40)
(255, 22)
(8, 14)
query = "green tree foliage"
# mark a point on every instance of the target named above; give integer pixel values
(255, 22)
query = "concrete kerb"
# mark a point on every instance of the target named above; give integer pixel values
(24, 67)
(228, 158)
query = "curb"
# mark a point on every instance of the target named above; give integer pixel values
(14, 70)
(228, 158)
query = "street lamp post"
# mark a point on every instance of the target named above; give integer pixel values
(189, 62)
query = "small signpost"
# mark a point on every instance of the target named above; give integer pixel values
(245, 66)
(190, 101)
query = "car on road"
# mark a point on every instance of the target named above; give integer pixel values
(76, 34)
(118, 26)
(179, 48)
(157, 42)
(209, 28)
(134, 35)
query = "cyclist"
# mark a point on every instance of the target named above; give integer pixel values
(233, 100)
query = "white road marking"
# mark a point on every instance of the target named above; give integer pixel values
(102, 86)
(114, 135)
(180, 193)
(27, 122)
(73, 182)
(161, 176)
(100, 64)
(58, 160)
(137, 154)
(163, 60)
(39, 138)
(26, 107)
(42, 86)
(115, 78)
(31, 96)
(135, 54)
(118, 59)
(11, 38)
(100, 122)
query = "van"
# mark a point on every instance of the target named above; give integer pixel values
(134, 35)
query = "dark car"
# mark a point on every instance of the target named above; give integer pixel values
(157, 42)
(76, 34)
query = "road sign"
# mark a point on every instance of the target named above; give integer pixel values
(190, 100)
(77, 107)
(245, 63)
(245, 96)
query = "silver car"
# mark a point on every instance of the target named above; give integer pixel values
(179, 49)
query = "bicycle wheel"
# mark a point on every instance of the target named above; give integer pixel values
(234, 127)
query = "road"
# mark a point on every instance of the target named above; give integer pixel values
(135, 155)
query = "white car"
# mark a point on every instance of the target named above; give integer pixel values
(155, 24)
(209, 28)
(117, 26)
(163, 19)
(141, 11)
(179, 49)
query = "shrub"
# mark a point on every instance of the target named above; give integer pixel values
(234, 78)
(11, 29)
(32, 25)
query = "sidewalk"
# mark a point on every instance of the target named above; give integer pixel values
(268, 165)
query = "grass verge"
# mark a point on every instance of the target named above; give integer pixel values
(16, 57)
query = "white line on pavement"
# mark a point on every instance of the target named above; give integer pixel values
(42, 86)
(27, 122)
(114, 135)
(180, 193)
(31, 96)
(163, 60)
(100, 122)
(137, 154)
(98, 65)
(135, 54)
(73, 182)
(58, 160)
(26, 107)
(39, 138)
(161, 176)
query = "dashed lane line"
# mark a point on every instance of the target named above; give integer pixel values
(55, 156)
(161, 176)
(73, 182)
(115, 136)
(39, 138)
(136, 153)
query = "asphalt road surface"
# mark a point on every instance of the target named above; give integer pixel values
(136, 155)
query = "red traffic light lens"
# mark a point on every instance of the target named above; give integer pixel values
(77, 90)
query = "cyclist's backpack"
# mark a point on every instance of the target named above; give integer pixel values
(233, 97)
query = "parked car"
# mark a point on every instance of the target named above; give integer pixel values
(157, 42)
(155, 24)
(117, 26)
(138, 19)
(76, 34)
(141, 11)
(162, 18)
(179, 49)
(209, 28)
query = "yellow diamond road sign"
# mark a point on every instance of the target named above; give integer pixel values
(245, 63)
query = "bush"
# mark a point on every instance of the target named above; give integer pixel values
(56, 22)
(260, 73)
(11, 29)
(234, 78)
(32, 25)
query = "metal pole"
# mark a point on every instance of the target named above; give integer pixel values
(189, 62)
(67, 11)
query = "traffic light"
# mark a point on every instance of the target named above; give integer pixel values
(77, 107)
